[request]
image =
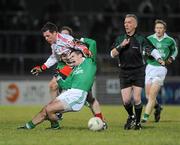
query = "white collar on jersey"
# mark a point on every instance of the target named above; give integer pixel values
(159, 39)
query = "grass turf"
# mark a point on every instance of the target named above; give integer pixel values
(74, 128)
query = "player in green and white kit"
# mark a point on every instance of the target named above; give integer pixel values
(155, 73)
(73, 99)
(65, 83)
(91, 101)
(81, 78)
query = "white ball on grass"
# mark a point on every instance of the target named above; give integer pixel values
(95, 124)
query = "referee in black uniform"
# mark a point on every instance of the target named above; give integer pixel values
(131, 48)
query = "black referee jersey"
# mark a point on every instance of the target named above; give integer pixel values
(132, 55)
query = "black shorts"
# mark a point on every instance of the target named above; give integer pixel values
(132, 77)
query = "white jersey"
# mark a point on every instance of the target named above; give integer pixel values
(61, 45)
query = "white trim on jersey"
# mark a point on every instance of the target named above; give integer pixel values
(62, 43)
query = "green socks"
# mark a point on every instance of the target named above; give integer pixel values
(55, 125)
(146, 116)
(30, 125)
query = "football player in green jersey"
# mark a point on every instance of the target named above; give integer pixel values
(91, 100)
(65, 70)
(73, 99)
(155, 73)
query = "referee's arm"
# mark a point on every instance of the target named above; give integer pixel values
(114, 52)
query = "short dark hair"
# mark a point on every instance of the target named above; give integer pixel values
(158, 21)
(76, 51)
(132, 16)
(68, 29)
(49, 26)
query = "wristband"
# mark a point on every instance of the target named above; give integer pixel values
(43, 67)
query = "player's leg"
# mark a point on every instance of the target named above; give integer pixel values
(46, 113)
(138, 78)
(155, 76)
(71, 100)
(126, 97)
(55, 106)
(37, 119)
(126, 94)
(158, 108)
(95, 108)
(137, 106)
(148, 85)
(153, 92)
(94, 105)
(53, 88)
(54, 91)
(64, 71)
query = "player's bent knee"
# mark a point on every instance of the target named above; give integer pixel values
(49, 108)
(90, 99)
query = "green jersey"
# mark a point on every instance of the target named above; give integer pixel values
(92, 47)
(166, 46)
(60, 65)
(67, 84)
(82, 76)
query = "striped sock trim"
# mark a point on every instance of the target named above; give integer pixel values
(146, 116)
(30, 125)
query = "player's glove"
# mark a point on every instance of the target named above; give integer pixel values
(38, 69)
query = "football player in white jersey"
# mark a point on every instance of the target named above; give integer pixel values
(59, 44)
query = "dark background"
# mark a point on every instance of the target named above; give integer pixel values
(22, 46)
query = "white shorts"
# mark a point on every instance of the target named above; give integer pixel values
(155, 74)
(73, 99)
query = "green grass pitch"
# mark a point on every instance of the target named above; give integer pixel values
(74, 129)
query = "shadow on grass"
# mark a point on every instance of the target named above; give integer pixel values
(73, 128)
(148, 127)
(165, 121)
(168, 121)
